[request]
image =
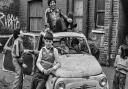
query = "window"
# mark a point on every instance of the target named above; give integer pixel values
(78, 13)
(35, 16)
(100, 13)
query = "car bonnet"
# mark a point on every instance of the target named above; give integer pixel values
(78, 65)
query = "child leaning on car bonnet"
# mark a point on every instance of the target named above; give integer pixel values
(47, 63)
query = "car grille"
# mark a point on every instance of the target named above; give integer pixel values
(85, 87)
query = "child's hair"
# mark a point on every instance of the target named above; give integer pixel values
(124, 51)
(16, 32)
(50, 1)
(75, 41)
(64, 39)
(48, 35)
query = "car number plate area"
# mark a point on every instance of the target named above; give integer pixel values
(85, 87)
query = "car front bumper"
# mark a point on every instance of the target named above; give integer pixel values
(81, 83)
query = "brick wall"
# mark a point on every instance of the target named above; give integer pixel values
(104, 48)
(110, 38)
(115, 29)
(23, 13)
(91, 14)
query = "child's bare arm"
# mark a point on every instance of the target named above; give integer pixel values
(56, 62)
(38, 63)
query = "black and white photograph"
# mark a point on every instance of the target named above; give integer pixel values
(63, 44)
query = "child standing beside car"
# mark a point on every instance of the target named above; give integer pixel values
(47, 63)
(17, 51)
(121, 68)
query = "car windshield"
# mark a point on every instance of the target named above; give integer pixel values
(71, 45)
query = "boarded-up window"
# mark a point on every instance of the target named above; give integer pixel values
(35, 16)
(100, 12)
(78, 13)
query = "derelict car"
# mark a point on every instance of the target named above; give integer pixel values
(78, 70)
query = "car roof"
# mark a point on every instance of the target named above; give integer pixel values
(32, 34)
(67, 34)
(59, 34)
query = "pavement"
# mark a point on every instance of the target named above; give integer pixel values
(8, 77)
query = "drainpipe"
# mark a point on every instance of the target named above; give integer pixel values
(85, 17)
(110, 34)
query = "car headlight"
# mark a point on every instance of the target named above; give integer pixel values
(103, 82)
(61, 85)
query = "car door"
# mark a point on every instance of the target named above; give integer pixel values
(7, 58)
(28, 43)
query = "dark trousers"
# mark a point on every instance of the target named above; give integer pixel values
(39, 81)
(119, 80)
(18, 82)
(60, 26)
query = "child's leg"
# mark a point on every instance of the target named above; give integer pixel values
(34, 82)
(41, 84)
(42, 79)
(18, 83)
(116, 80)
(122, 80)
(60, 25)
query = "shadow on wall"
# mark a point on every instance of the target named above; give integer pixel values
(123, 22)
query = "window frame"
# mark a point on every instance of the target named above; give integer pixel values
(73, 10)
(97, 11)
(28, 14)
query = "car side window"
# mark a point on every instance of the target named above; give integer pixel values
(37, 39)
(28, 42)
(41, 42)
(10, 42)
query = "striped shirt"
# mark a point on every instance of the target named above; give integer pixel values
(17, 48)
